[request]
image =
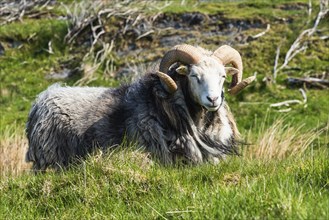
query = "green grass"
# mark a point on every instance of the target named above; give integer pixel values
(260, 9)
(113, 187)
(126, 184)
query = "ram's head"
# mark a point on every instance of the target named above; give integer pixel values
(206, 73)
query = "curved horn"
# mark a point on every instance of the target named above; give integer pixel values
(167, 81)
(185, 54)
(228, 55)
(244, 83)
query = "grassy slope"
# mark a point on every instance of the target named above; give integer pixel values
(113, 187)
(296, 187)
(23, 68)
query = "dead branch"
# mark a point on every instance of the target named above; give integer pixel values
(300, 44)
(285, 110)
(288, 103)
(309, 12)
(309, 82)
(268, 27)
(50, 48)
(145, 34)
(304, 95)
(276, 63)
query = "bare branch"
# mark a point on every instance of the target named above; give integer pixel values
(268, 27)
(300, 44)
(145, 34)
(309, 81)
(288, 103)
(304, 95)
(276, 63)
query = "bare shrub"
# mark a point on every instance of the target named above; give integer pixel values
(90, 26)
(11, 11)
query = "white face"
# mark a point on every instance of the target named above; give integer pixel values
(206, 81)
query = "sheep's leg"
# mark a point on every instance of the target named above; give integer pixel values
(186, 146)
(153, 138)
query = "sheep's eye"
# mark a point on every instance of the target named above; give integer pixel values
(224, 77)
(197, 78)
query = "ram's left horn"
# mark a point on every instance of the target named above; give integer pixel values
(236, 89)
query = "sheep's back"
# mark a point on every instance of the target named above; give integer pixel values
(59, 120)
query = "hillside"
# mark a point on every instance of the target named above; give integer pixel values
(283, 170)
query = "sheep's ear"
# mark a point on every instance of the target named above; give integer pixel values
(231, 71)
(182, 70)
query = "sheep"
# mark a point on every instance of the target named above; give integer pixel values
(177, 113)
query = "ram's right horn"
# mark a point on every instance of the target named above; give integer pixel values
(185, 54)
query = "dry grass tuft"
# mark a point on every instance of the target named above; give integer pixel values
(278, 141)
(126, 157)
(13, 146)
(281, 140)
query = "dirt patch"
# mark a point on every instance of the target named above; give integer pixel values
(293, 6)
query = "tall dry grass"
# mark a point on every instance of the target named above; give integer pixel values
(281, 140)
(277, 141)
(13, 146)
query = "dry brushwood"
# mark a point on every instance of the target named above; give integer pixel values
(81, 17)
(300, 44)
(15, 10)
(91, 18)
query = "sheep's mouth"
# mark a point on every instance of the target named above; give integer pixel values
(212, 108)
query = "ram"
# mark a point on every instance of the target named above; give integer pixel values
(176, 113)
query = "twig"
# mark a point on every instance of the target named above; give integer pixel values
(268, 27)
(97, 34)
(304, 95)
(50, 49)
(276, 63)
(286, 103)
(145, 34)
(309, 12)
(285, 110)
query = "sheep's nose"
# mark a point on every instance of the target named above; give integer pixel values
(212, 99)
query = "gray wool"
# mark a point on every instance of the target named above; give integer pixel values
(66, 123)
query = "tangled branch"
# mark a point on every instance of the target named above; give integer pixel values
(15, 10)
(89, 20)
(300, 44)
